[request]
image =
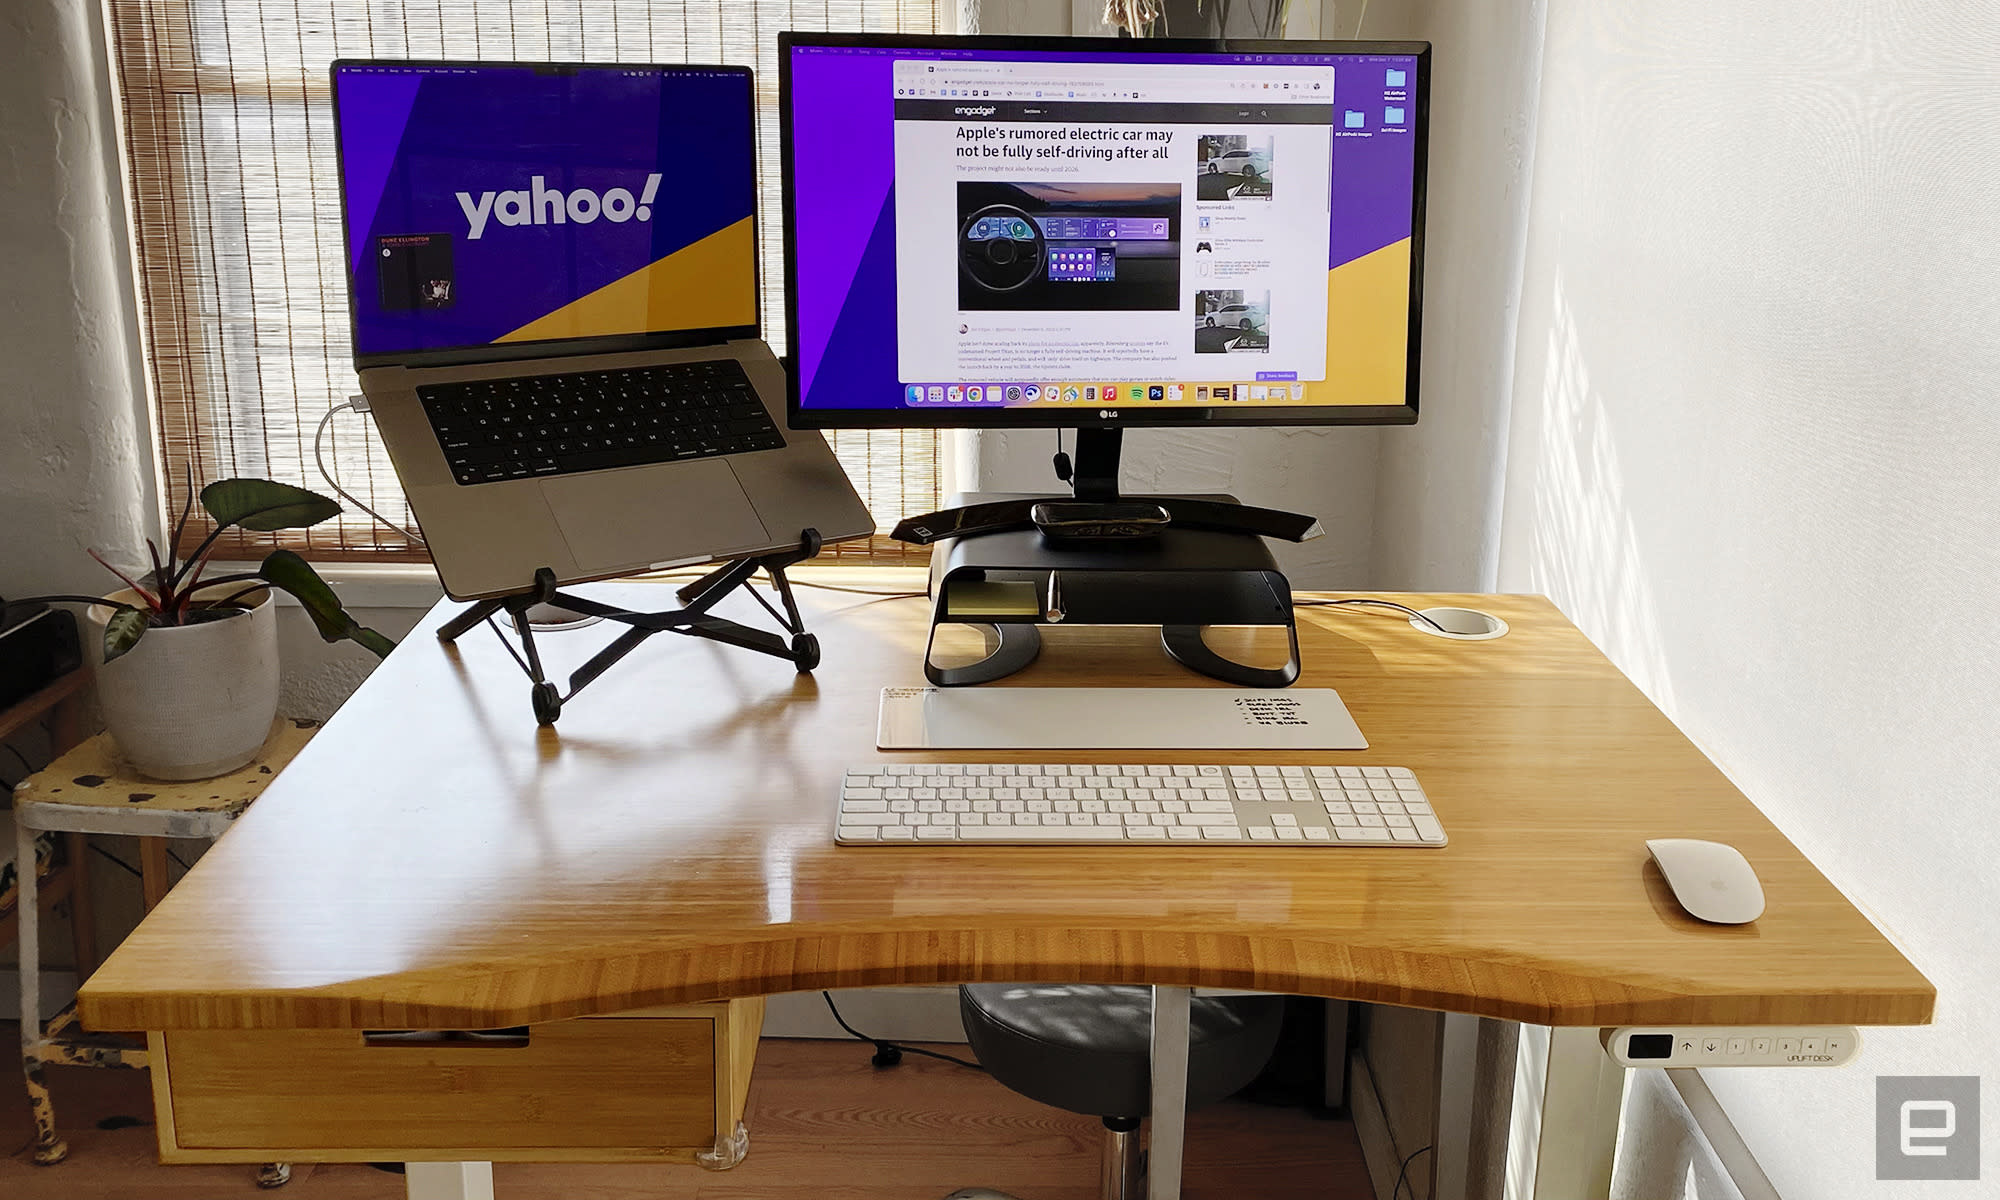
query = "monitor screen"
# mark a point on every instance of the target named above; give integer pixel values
(516, 203)
(992, 231)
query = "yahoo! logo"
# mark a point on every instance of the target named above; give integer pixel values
(540, 204)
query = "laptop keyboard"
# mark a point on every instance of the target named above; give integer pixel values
(539, 425)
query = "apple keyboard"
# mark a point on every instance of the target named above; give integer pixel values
(1131, 804)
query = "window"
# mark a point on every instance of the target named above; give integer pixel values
(229, 137)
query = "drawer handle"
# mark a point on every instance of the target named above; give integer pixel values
(496, 1039)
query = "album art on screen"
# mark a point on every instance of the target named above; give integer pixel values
(414, 271)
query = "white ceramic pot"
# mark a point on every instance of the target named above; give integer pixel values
(192, 701)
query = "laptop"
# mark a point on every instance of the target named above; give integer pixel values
(552, 275)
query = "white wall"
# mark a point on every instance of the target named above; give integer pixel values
(320, 676)
(1437, 510)
(75, 458)
(76, 451)
(1753, 453)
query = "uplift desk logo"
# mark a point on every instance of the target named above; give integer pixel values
(539, 204)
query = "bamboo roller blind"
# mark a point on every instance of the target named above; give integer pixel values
(229, 137)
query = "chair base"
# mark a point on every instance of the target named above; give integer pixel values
(1124, 1170)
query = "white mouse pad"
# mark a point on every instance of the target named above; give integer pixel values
(1031, 718)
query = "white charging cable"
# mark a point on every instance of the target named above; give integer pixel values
(358, 404)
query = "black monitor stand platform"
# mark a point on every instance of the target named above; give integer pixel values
(1207, 566)
(1094, 480)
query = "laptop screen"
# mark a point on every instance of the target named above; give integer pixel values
(521, 204)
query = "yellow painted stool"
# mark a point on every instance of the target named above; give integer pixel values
(90, 789)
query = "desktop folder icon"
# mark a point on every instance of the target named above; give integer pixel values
(1392, 116)
(1356, 119)
(1392, 78)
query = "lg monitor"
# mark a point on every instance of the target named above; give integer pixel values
(1102, 233)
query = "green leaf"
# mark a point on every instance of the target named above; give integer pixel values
(284, 569)
(371, 640)
(122, 632)
(264, 505)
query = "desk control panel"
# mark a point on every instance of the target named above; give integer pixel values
(1733, 1046)
(1134, 804)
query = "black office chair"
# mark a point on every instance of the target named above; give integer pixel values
(1088, 1048)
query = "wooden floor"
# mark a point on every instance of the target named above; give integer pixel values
(824, 1125)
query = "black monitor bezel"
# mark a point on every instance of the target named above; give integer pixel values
(1405, 413)
(482, 352)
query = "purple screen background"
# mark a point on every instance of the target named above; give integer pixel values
(410, 141)
(844, 278)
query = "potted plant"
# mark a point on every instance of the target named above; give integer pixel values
(189, 674)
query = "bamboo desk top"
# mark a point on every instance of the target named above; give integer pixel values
(433, 860)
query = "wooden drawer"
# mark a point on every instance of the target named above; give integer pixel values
(668, 1085)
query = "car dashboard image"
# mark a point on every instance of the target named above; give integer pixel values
(1052, 247)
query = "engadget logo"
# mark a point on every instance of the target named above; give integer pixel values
(540, 204)
(973, 110)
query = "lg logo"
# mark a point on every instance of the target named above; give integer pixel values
(1107, 414)
(1927, 1127)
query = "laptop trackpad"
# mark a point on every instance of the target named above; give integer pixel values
(654, 514)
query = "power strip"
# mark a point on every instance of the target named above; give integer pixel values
(1733, 1046)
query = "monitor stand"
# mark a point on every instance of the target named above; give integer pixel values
(1094, 480)
(1208, 566)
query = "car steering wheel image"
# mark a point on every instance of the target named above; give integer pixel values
(1001, 248)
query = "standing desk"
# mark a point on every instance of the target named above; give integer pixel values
(434, 861)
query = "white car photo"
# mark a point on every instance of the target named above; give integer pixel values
(1237, 162)
(1234, 316)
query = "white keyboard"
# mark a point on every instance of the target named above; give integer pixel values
(1100, 804)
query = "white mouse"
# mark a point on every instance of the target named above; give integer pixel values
(1712, 881)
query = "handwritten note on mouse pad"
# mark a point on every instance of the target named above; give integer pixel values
(1195, 718)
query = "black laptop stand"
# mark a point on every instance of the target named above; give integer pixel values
(692, 619)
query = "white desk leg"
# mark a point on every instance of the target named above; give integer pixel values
(1458, 1100)
(1582, 1100)
(1476, 1068)
(448, 1180)
(1170, 1066)
(27, 906)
